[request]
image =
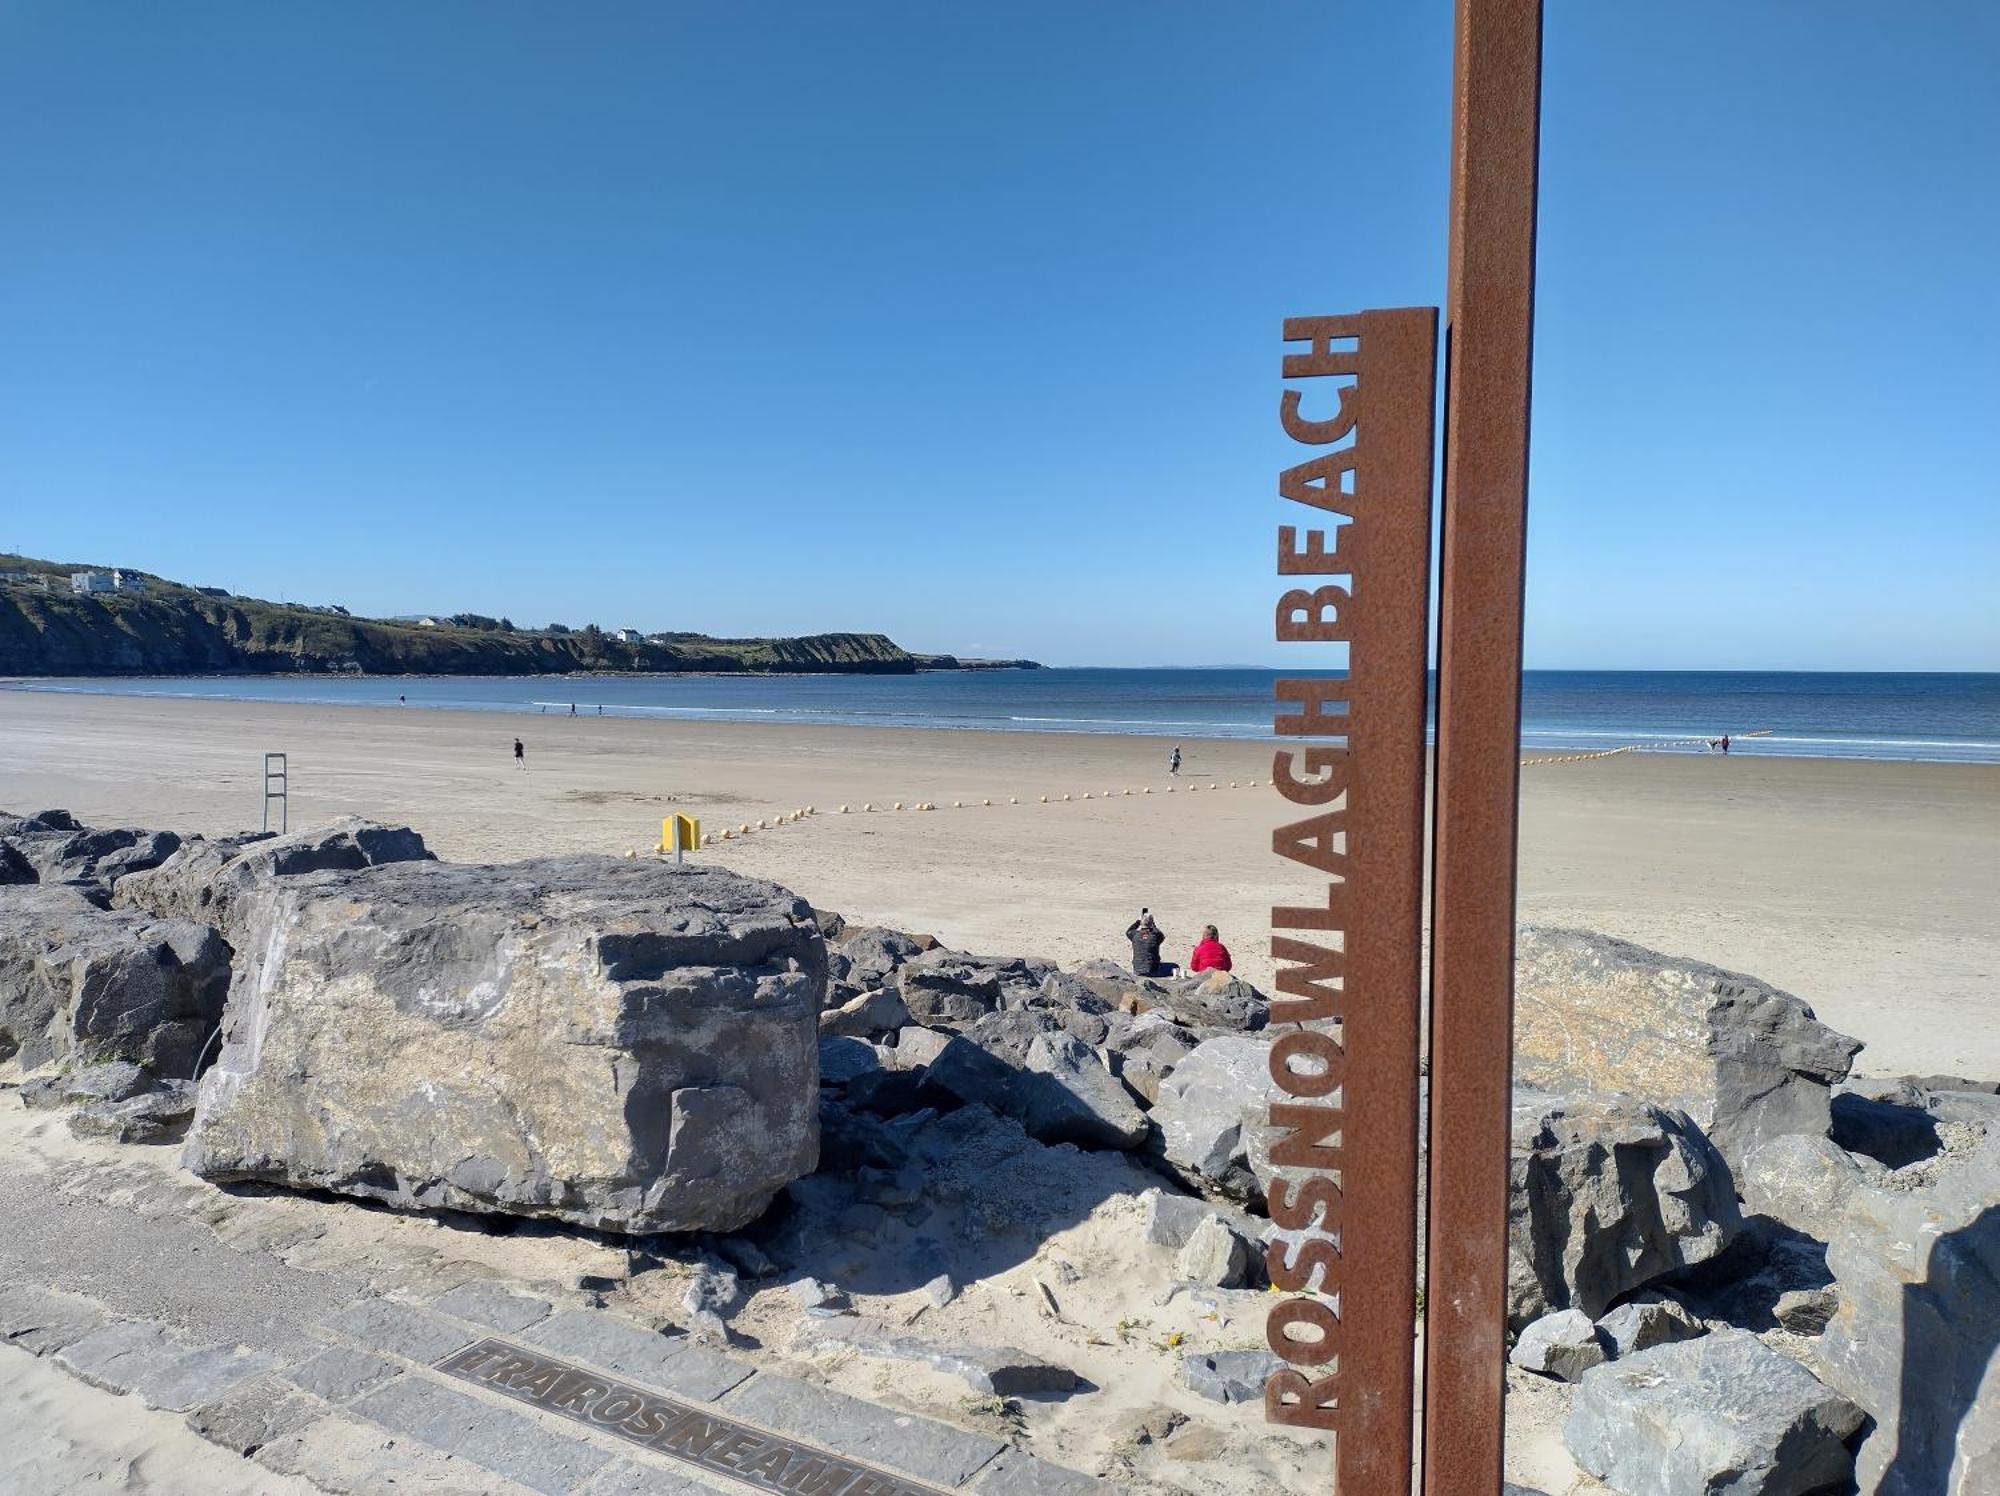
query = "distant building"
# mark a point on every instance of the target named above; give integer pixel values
(428, 623)
(628, 636)
(88, 582)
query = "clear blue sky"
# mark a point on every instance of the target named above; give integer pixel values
(960, 322)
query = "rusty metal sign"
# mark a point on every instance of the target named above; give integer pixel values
(1354, 563)
(696, 1436)
(1496, 127)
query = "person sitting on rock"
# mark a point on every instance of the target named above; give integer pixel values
(1211, 954)
(1146, 941)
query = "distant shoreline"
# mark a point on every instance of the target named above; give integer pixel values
(1887, 717)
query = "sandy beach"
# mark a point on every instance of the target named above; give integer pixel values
(1867, 888)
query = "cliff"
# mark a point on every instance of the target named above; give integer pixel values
(166, 628)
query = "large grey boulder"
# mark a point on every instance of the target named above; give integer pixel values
(81, 984)
(1563, 1345)
(865, 958)
(1746, 1061)
(1213, 1002)
(1213, 1115)
(204, 880)
(949, 989)
(1046, 1079)
(1606, 1195)
(629, 1046)
(1916, 1337)
(52, 847)
(1721, 1413)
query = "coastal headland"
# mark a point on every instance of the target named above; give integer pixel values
(1863, 887)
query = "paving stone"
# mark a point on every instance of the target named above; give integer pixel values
(916, 1446)
(201, 1376)
(667, 1363)
(250, 1416)
(623, 1478)
(118, 1355)
(43, 1322)
(346, 1456)
(399, 1329)
(338, 1373)
(1015, 1472)
(490, 1304)
(497, 1439)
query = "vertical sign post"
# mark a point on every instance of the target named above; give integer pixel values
(1496, 117)
(1342, 1185)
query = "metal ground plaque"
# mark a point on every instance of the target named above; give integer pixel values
(698, 1436)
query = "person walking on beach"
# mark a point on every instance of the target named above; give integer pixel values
(520, 755)
(1174, 763)
(1146, 941)
(1725, 745)
(1211, 954)
(572, 708)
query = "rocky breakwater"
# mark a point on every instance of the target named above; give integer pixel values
(628, 1046)
(1744, 1060)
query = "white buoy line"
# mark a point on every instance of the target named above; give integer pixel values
(743, 829)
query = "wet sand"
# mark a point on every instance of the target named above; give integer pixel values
(1869, 889)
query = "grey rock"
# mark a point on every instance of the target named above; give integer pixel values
(811, 1293)
(948, 989)
(1213, 1113)
(870, 955)
(1802, 1181)
(1724, 1412)
(1916, 1337)
(114, 1080)
(940, 1290)
(1067, 1096)
(1563, 1345)
(1172, 1219)
(1805, 1311)
(1746, 1061)
(81, 984)
(1144, 1050)
(52, 848)
(1228, 1376)
(989, 1370)
(916, 1047)
(1641, 1326)
(1216, 1002)
(157, 1117)
(842, 1060)
(870, 1013)
(830, 925)
(1214, 1256)
(1606, 1195)
(629, 1046)
(205, 881)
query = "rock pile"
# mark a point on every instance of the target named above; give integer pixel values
(627, 1046)
(1742, 1270)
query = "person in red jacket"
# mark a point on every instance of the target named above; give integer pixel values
(1211, 954)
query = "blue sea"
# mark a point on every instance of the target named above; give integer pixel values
(1942, 718)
